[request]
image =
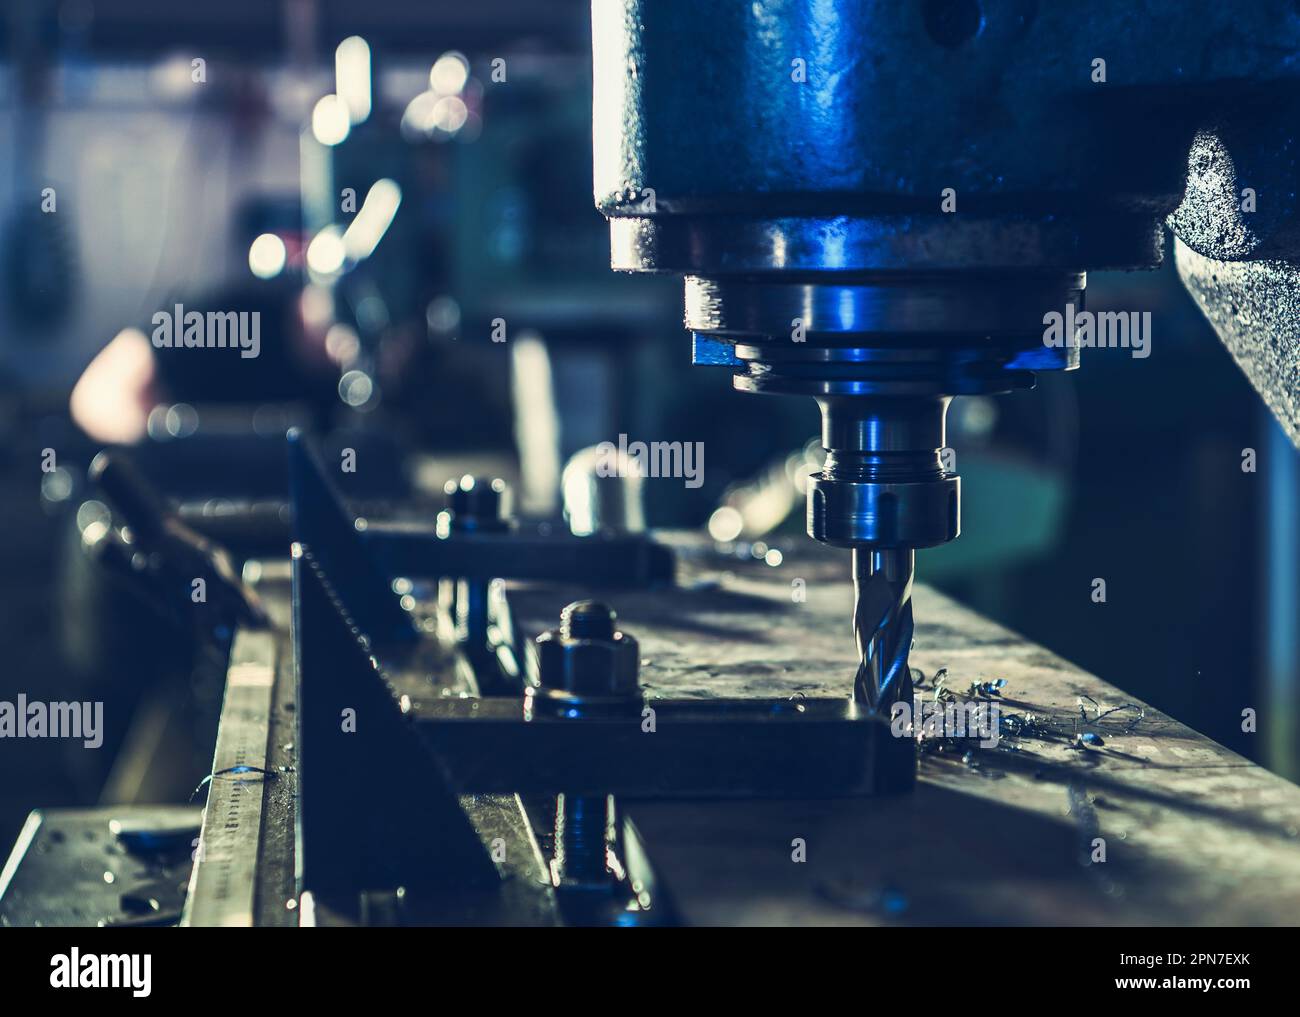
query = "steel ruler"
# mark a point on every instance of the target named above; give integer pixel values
(223, 881)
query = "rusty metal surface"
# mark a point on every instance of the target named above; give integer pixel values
(1192, 832)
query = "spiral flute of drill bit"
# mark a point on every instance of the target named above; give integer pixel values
(882, 625)
(883, 492)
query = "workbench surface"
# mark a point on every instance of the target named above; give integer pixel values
(1192, 833)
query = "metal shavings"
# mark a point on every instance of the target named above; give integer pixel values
(230, 771)
(1011, 726)
(1015, 726)
(935, 744)
(1141, 715)
(986, 689)
(1100, 714)
(941, 692)
(1027, 725)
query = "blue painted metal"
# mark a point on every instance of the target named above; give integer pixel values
(711, 352)
(806, 104)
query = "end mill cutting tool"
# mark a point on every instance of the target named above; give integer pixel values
(882, 625)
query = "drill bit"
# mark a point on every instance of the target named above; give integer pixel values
(882, 625)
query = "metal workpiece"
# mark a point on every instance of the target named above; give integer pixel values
(765, 747)
(653, 747)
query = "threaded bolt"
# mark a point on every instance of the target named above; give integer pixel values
(587, 619)
(581, 825)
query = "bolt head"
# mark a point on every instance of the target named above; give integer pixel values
(477, 502)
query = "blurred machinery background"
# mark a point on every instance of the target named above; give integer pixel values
(403, 191)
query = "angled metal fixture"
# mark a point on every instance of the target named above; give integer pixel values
(372, 811)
